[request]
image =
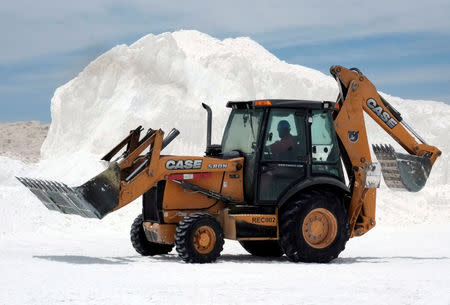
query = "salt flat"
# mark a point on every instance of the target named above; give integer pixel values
(389, 265)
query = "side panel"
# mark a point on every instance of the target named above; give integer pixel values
(177, 198)
(232, 185)
(249, 226)
(165, 166)
(229, 183)
(256, 226)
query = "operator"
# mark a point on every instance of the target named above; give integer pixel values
(283, 149)
(286, 143)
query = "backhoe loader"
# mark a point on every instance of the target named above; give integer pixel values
(292, 177)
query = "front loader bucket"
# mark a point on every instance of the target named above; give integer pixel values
(402, 171)
(94, 199)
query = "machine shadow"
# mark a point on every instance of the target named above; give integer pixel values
(382, 259)
(87, 260)
(229, 258)
(226, 258)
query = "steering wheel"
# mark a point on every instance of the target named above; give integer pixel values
(268, 152)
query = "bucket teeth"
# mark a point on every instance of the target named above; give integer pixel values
(402, 171)
(59, 197)
(93, 199)
(380, 148)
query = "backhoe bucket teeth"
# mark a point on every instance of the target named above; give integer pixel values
(94, 199)
(402, 171)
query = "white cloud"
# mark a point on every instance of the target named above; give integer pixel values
(32, 28)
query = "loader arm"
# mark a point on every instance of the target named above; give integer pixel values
(131, 175)
(400, 171)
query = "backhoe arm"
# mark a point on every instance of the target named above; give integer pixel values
(400, 171)
(360, 90)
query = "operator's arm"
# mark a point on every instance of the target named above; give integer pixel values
(283, 145)
(276, 147)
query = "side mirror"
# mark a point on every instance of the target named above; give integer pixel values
(270, 136)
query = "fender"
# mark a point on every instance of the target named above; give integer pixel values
(336, 183)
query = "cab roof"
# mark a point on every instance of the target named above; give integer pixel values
(281, 103)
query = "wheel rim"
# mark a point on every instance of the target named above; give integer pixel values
(204, 239)
(319, 228)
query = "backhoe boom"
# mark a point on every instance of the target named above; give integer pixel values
(400, 171)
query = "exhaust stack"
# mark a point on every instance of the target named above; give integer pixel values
(211, 150)
(208, 125)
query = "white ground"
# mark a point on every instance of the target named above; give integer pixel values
(49, 258)
(387, 266)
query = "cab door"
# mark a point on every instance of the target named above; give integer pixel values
(284, 156)
(241, 134)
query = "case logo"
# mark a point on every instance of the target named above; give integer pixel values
(184, 164)
(383, 115)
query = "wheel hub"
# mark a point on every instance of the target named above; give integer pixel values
(319, 228)
(204, 239)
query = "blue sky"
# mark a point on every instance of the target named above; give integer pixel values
(402, 46)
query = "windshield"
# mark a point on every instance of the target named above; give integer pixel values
(242, 130)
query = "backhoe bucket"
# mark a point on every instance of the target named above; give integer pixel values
(94, 199)
(402, 171)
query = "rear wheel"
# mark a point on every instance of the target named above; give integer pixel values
(268, 248)
(140, 242)
(314, 227)
(199, 238)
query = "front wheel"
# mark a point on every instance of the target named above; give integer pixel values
(314, 227)
(199, 238)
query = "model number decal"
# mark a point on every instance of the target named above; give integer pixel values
(219, 165)
(184, 164)
(383, 115)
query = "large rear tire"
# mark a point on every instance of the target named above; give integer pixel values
(265, 248)
(199, 238)
(140, 242)
(314, 227)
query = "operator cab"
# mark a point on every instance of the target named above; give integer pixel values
(283, 142)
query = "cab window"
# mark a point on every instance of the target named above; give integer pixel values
(285, 136)
(325, 150)
(242, 131)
